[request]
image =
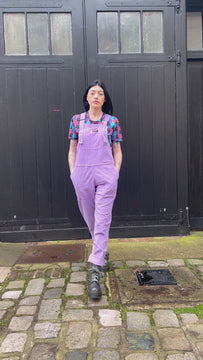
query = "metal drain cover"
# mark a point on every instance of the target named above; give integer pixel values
(155, 277)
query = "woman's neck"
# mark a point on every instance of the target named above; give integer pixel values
(95, 115)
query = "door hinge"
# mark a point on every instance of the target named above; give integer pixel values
(175, 3)
(176, 58)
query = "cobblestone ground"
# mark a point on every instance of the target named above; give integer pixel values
(45, 314)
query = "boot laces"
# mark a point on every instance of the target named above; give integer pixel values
(95, 273)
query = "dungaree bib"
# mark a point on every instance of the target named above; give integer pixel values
(95, 181)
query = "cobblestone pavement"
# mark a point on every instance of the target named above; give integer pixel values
(45, 314)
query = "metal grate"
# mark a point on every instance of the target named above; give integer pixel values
(155, 277)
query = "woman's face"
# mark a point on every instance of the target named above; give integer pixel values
(95, 97)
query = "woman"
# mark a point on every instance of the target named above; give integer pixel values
(95, 159)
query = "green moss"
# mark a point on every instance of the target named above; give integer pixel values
(198, 310)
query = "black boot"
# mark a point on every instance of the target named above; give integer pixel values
(94, 290)
(105, 267)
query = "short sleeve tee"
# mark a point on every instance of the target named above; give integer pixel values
(113, 128)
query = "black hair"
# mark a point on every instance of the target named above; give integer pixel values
(107, 107)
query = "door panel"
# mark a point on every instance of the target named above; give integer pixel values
(142, 86)
(39, 93)
(195, 106)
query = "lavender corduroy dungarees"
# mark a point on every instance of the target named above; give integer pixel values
(95, 181)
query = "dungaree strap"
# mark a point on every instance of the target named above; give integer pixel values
(81, 127)
(106, 119)
(82, 123)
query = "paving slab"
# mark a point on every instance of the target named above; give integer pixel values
(195, 261)
(76, 355)
(135, 263)
(106, 355)
(176, 262)
(11, 252)
(157, 264)
(71, 315)
(20, 323)
(18, 284)
(6, 304)
(165, 317)
(140, 341)
(142, 356)
(35, 287)
(43, 352)
(138, 321)
(4, 271)
(98, 303)
(56, 283)
(110, 317)
(187, 356)
(2, 313)
(49, 309)
(13, 343)
(189, 318)
(12, 294)
(200, 347)
(195, 330)
(46, 330)
(78, 335)
(173, 339)
(30, 300)
(54, 293)
(26, 310)
(75, 289)
(74, 303)
(78, 276)
(108, 338)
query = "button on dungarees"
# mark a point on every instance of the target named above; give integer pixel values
(95, 181)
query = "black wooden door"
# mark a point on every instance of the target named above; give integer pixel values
(139, 65)
(195, 107)
(57, 48)
(41, 86)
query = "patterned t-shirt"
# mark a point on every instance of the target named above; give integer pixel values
(113, 128)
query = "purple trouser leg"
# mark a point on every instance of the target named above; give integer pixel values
(95, 200)
(85, 191)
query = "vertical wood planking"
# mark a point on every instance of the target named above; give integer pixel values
(146, 136)
(195, 110)
(5, 178)
(28, 145)
(14, 111)
(42, 142)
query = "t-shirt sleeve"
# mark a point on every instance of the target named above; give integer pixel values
(74, 126)
(116, 134)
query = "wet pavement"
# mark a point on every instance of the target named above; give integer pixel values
(45, 313)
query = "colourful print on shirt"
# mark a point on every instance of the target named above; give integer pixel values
(113, 128)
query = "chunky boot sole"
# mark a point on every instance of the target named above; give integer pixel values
(94, 295)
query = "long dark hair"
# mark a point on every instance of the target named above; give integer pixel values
(107, 107)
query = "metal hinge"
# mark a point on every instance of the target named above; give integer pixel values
(176, 58)
(175, 3)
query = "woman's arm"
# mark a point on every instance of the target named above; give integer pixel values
(117, 155)
(72, 154)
